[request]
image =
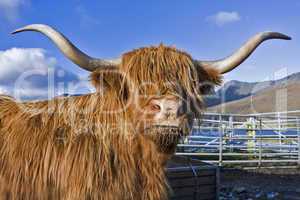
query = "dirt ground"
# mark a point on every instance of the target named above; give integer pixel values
(261, 184)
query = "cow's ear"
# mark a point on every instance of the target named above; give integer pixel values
(214, 76)
(110, 81)
(209, 77)
(96, 78)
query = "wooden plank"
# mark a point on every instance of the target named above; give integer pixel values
(207, 197)
(195, 197)
(183, 198)
(192, 179)
(208, 189)
(189, 173)
(184, 182)
(211, 196)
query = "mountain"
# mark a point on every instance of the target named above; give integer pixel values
(266, 96)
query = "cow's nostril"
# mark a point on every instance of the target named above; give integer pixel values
(168, 115)
(169, 109)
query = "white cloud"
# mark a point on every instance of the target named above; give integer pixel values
(10, 8)
(221, 18)
(32, 74)
(15, 61)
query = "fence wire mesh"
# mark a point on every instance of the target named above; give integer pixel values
(269, 139)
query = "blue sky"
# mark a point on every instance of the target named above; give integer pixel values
(205, 29)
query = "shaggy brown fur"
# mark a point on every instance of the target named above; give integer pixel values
(73, 148)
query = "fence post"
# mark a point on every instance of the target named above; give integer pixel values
(298, 133)
(221, 132)
(279, 130)
(231, 132)
(260, 142)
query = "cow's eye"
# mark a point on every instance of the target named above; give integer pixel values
(155, 107)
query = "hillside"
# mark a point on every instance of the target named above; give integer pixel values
(279, 97)
(236, 90)
(269, 96)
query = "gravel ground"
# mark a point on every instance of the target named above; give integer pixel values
(260, 184)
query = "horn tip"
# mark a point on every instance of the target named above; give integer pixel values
(276, 35)
(288, 38)
(285, 37)
(15, 31)
(31, 27)
(19, 30)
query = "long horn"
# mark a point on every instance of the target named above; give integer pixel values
(227, 64)
(69, 50)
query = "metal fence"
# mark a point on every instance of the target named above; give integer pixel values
(269, 139)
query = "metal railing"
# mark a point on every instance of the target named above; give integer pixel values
(271, 139)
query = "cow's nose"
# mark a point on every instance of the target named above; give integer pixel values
(170, 106)
(171, 110)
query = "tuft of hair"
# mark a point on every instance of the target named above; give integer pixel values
(161, 69)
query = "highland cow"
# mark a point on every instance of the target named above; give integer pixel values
(112, 144)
